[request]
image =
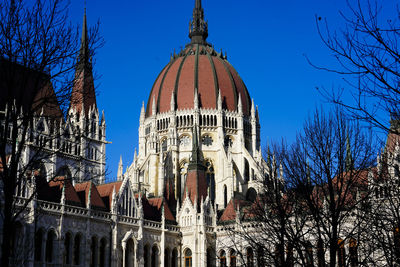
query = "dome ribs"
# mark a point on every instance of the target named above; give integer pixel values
(167, 85)
(198, 66)
(155, 85)
(185, 82)
(241, 88)
(234, 88)
(224, 82)
(215, 79)
(206, 83)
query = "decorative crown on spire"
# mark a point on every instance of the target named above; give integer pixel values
(198, 27)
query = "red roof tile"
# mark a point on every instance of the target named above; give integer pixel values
(83, 192)
(209, 72)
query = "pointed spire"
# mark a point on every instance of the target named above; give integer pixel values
(120, 169)
(253, 110)
(196, 98)
(219, 104)
(153, 106)
(240, 105)
(198, 27)
(83, 58)
(83, 95)
(172, 101)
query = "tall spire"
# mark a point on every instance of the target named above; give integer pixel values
(198, 27)
(83, 97)
(83, 59)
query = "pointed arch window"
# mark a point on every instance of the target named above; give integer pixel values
(353, 251)
(225, 196)
(232, 258)
(341, 254)
(222, 258)
(188, 258)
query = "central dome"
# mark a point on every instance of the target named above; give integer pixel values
(198, 66)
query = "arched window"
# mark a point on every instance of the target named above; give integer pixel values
(246, 170)
(129, 253)
(67, 248)
(93, 252)
(102, 252)
(154, 256)
(341, 254)
(210, 257)
(225, 196)
(166, 257)
(38, 245)
(77, 250)
(188, 258)
(251, 194)
(249, 257)
(232, 258)
(210, 176)
(50, 246)
(174, 258)
(353, 250)
(260, 257)
(222, 258)
(146, 254)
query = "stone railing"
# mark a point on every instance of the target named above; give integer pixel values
(49, 206)
(128, 220)
(173, 228)
(152, 224)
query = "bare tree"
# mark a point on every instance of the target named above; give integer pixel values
(272, 224)
(38, 55)
(329, 163)
(367, 53)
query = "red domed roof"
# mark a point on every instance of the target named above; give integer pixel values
(198, 66)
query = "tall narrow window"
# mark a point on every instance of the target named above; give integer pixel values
(222, 258)
(77, 249)
(93, 252)
(166, 257)
(154, 256)
(67, 248)
(102, 260)
(146, 255)
(38, 245)
(188, 258)
(50, 247)
(174, 258)
(250, 257)
(232, 258)
(341, 254)
(210, 261)
(225, 196)
(353, 252)
(260, 257)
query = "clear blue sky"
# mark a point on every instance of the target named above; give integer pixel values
(265, 40)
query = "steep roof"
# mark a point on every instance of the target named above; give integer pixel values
(106, 191)
(83, 190)
(30, 89)
(71, 197)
